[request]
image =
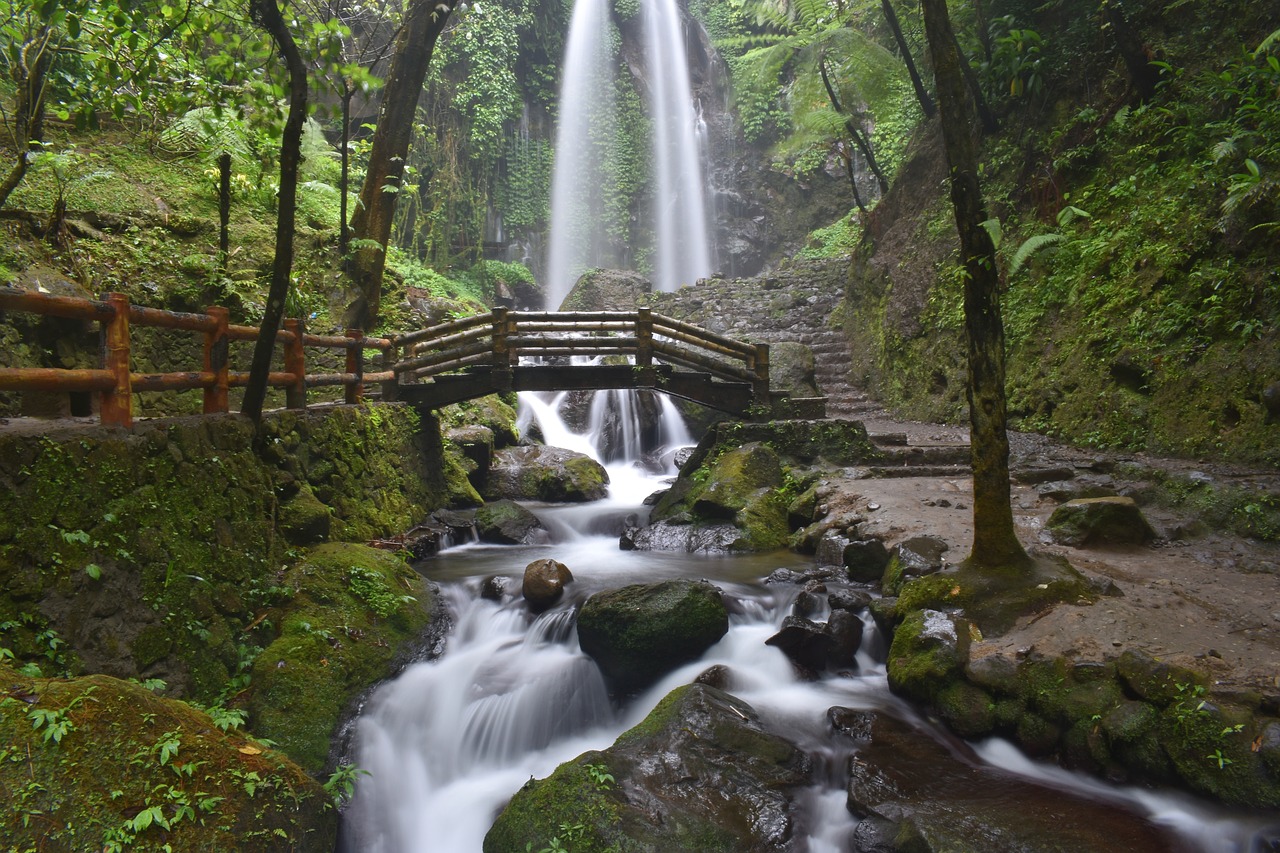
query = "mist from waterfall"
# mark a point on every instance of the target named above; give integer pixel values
(588, 134)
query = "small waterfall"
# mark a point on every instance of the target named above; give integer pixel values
(681, 241)
(585, 135)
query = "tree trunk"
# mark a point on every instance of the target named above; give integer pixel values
(267, 14)
(994, 541)
(990, 124)
(34, 59)
(390, 146)
(344, 182)
(1142, 73)
(922, 94)
(858, 137)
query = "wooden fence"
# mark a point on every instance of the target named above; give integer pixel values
(499, 339)
(115, 382)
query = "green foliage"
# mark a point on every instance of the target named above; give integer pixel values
(839, 239)
(524, 194)
(1014, 69)
(372, 588)
(341, 784)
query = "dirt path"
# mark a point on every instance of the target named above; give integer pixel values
(1211, 601)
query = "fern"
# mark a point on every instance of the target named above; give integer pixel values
(1029, 247)
(1267, 43)
(208, 133)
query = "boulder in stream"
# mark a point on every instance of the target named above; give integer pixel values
(640, 632)
(540, 473)
(938, 797)
(507, 523)
(544, 582)
(699, 773)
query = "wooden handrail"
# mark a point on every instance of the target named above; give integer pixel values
(116, 383)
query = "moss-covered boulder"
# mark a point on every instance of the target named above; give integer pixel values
(96, 763)
(606, 290)
(931, 799)
(700, 773)
(303, 520)
(1100, 521)
(506, 522)
(496, 413)
(791, 369)
(639, 633)
(538, 473)
(351, 608)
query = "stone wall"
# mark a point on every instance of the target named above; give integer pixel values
(151, 552)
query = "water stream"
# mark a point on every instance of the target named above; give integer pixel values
(450, 741)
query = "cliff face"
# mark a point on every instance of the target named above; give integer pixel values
(1148, 319)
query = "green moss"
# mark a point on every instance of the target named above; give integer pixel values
(352, 607)
(926, 656)
(103, 751)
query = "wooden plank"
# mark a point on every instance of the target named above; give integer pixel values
(661, 322)
(172, 381)
(16, 299)
(55, 379)
(162, 319)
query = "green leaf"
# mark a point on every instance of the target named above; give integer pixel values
(94, 571)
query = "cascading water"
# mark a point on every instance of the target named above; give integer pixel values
(681, 242)
(586, 139)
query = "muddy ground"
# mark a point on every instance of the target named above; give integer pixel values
(1203, 598)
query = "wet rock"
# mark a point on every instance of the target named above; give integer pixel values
(830, 550)
(639, 633)
(721, 538)
(1099, 521)
(850, 722)
(477, 445)
(805, 642)
(803, 509)
(848, 599)
(948, 801)
(1033, 474)
(699, 773)
(912, 558)
(865, 559)
(717, 676)
(606, 290)
(928, 651)
(545, 474)
(544, 582)
(508, 523)
(845, 630)
(494, 587)
(807, 604)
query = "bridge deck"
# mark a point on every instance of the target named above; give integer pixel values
(731, 397)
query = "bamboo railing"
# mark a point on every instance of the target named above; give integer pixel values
(502, 337)
(115, 382)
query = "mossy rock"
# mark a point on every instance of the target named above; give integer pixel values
(640, 632)
(539, 473)
(493, 412)
(699, 773)
(995, 598)
(506, 522)
(352, 607)
(303, 519)
(109, 762)
(927, 654)
(1100, 521)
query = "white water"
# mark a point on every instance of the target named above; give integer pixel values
(586, 137)
(681, 242)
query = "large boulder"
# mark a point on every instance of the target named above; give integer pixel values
(791, 369)
(930, 797)
(539, 473)
(508, 523)
(640, 632)
(544, 582)
(1100, 521)
(607, 290)
(700, 773)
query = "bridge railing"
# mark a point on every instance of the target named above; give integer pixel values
(502, 337)
(115, 382)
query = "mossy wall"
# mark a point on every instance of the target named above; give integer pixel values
(151, 553)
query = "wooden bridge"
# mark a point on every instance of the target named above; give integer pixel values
(536, 351)
(500, 351)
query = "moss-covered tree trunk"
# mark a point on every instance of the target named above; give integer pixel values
(922, 95)
(30, 70)
(994, 540)
(267, 14)
(371, 225)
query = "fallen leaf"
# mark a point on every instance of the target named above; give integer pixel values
(249, 749)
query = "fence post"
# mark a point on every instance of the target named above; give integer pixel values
(644, 337)
(295, 362)
(760, 387)
(355, 364)
(217, 360)
(503, 356)
(391, 387)
(117, 404)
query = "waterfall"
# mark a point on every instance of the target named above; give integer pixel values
(681, 243)
(585, 135)
(586, 139)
